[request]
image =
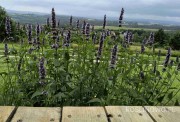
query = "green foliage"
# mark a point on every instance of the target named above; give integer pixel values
(73, 77)
(160, 37)
(39, 75)
(15, 34)
(2, 21)
(175, 41)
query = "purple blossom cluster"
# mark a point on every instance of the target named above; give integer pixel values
(168, 55)
(128, 36)
(113, 56)
(42, 71)
(100, 47)
(121, 17)
(87, 31)
(8, 26)
(29, 33)
(53, 19)
(84, 28)
(104, 23)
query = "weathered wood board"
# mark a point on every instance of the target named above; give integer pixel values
(127, 114)
(164, 113)
(84, 114)
(37, 114)
(6, 112)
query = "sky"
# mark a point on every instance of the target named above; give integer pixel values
(166, 10)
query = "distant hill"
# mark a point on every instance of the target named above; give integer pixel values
(26, 17)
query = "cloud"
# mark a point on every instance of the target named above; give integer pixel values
(162, 9)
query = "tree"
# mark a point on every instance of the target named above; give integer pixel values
(175, 41)
(3, 16)
(2, 23)
(160, 37)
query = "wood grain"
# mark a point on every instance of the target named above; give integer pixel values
(5, 112)
(164, 113)
(37, 114)
(84, 114)
(127, 114)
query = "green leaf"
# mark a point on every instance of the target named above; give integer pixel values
(157, 73)
(169, 75)
(160, 99)
(13, 51)
(170, 95)
(37, 93)
(60, 95)
(3, 73)
(95, 100)
(56, 63)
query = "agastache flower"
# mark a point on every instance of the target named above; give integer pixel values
(70, 21)
(30, 50)
(37, 34)
(128, 37)
(108, 32)
(100, 47)
(87, 31)
(69, 35)
(151, 38)
(55, 46)
(121, 17)
(113, 56)
(42, 71)
(84, 28)
(29, 33)
(167, 57)
(8, 26)
(53, 19)
(34, 42)
(104, 23)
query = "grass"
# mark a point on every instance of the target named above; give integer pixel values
(127, 28)
(124, 28)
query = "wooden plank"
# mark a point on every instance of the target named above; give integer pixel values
(6, 112)
(37, 114)
(164, 113)
(127, 114)
(84, 114)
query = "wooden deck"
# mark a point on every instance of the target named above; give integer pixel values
(90, 114)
